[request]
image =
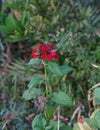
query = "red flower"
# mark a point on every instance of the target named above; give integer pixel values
(44, 56)
(54, 55)
(34, 55)
(49, 57)
(44, 51)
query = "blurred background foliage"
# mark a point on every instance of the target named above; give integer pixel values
(72, 25)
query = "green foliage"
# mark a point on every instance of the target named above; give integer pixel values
(91, 122)
(53, 125)
(58, 70)
(73, 26)
(50, 68)
(32, 93)
(54, 68)
(34, 62)
(66, 128)
(36, 80)
(49, 111)
(97, 94)
(62, 98)
(38, 20)
(76, 127)
(24, 73)
(66, 69)
(11, 27)
(96, 116)
(39, 122)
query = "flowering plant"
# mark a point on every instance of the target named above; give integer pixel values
(44, 87)
(45, 52)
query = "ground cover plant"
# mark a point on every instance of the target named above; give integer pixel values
(49, 65)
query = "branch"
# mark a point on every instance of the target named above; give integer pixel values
(95, 86)
(58, 109)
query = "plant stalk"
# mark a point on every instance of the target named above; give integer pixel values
(59, 118)
(45, 74)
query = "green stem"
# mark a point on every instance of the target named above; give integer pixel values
(46, 85)
(58, 118)
(46, 81)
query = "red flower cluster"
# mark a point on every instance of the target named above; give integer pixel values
(44, 51)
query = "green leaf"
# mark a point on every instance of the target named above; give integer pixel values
(54, 125)
(62, 98)
(91, 122)
(54, 68)
(63, 39)
(25, 20)
(88, 11)
(11, 22)
(35, 81)
(4, 29)
(66, 128)
(39, 122)
(76, 127)
(58, 70)
(96, 116)
(49, 112)
(31, 94)
(53, 79)
(13, 39)
(65, 69)
(34, 62)
(97, 93)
